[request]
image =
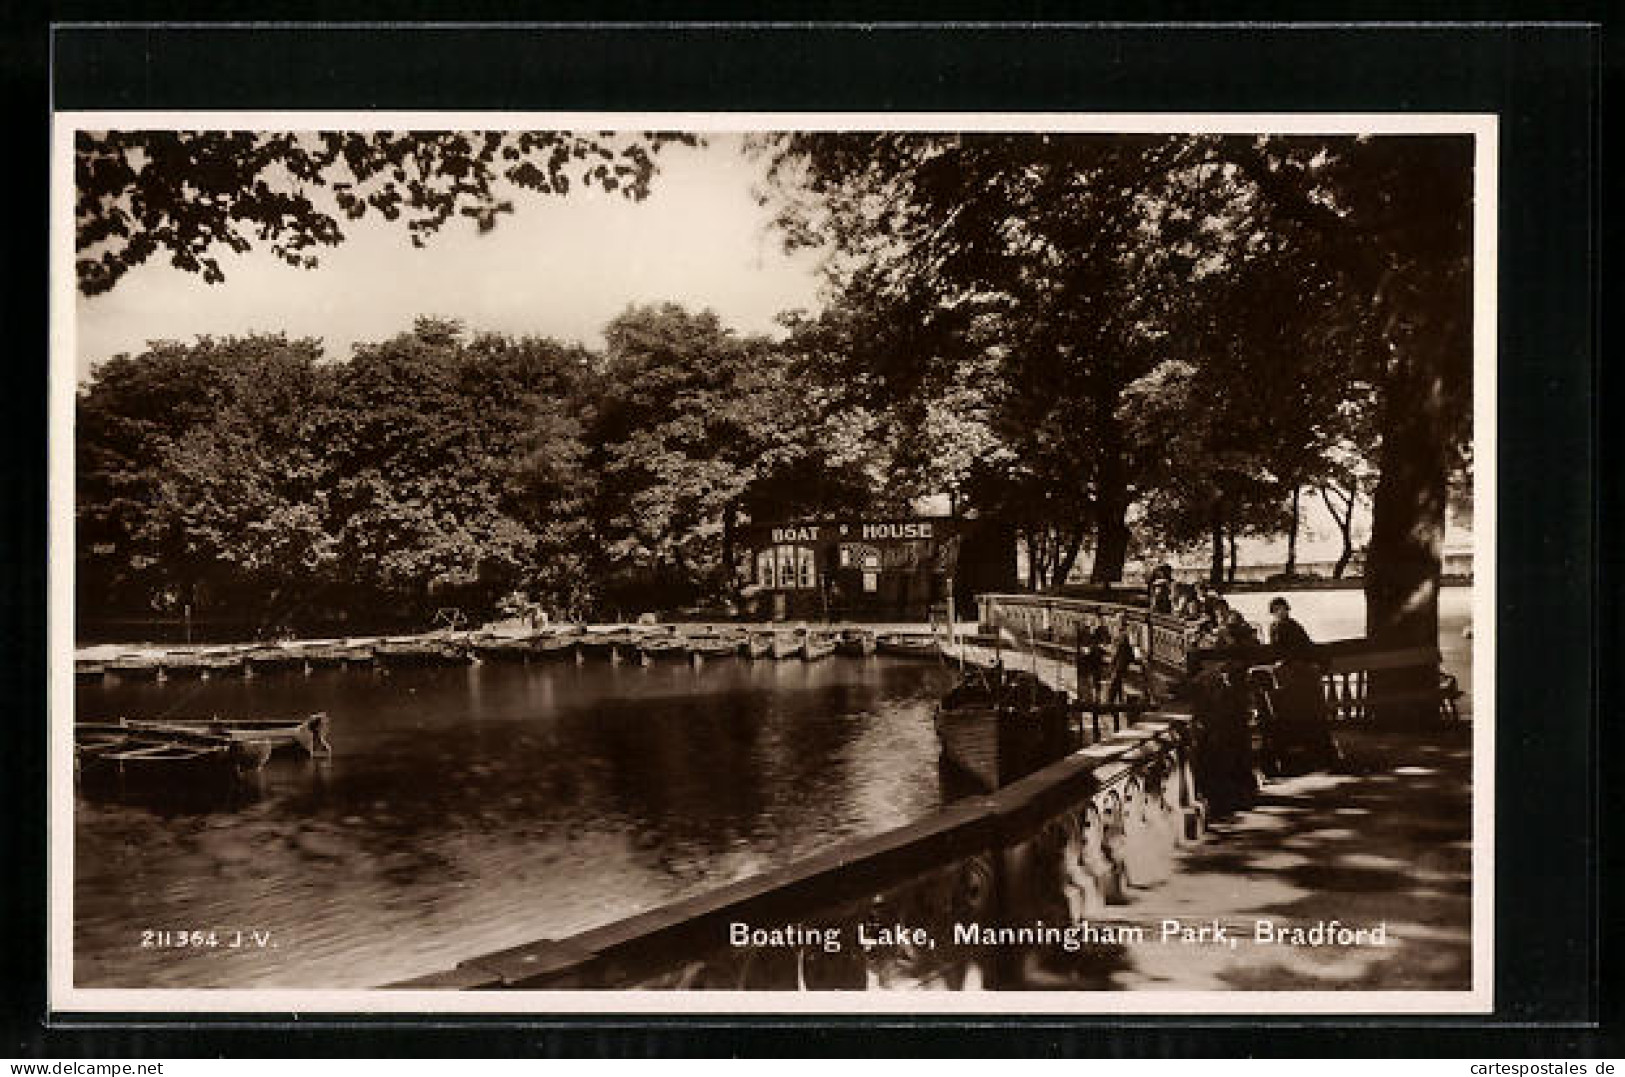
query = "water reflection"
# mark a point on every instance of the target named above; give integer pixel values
(466, 809)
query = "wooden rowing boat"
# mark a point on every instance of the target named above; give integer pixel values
(817, 646)
(103, 750)
(663, 648)
(614, 643)
(136, 667)
(358, 654)
(855, 642)
(420, 651)
(785, 645)
(307, 734)
(555, 645)
(997, 726)
(503, 648)
(758, 645)
(907, 646)
(221, 661)
(272, 659)
(712, 647)
(183, 664)
(322, 655)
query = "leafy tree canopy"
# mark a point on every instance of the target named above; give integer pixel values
(188, 195)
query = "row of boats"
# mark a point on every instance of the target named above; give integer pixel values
(645, 644)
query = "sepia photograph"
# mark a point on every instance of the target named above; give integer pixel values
(772, 562)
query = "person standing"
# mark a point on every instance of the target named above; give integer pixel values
(1298, 704)
(1121, 658)
(1087, 660)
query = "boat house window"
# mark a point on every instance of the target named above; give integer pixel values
(787, 568)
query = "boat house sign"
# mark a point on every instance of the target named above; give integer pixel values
(845, 532)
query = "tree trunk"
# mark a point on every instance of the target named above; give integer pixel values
(1407, 534)
(1068, 557)
(1111, 526)
(1345, 527)
(1292, 536)
(730, 573)
(1034, 561)
(1215, 571)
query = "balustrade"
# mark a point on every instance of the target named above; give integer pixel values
(932, 905)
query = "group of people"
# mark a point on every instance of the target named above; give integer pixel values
(1103, 654)
(1279, 681)
(1210, 620)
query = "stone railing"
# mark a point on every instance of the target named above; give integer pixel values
(991, 892)
(1051, 626)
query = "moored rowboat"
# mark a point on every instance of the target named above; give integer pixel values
(308, 734)
(420, 651)
(272, 659)
(663, 648)
(712, 647)
(907, 646)
(817, 646)
(144, 667)
(856, 642)
(103, 750)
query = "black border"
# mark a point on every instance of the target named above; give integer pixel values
(1545, 81)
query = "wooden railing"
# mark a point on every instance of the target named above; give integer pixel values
(911, 907)
(1051, 626)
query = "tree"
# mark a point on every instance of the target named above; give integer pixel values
(191, 194)
(1389, 220)
(192, 459)
(1021, 258)
(454, 469)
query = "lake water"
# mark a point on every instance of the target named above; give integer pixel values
(471, 808)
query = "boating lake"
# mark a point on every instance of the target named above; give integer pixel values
(466, 809)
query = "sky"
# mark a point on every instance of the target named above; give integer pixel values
(556, 266)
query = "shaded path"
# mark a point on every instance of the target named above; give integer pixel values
(1387, 843)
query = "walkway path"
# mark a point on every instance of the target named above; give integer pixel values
(1387, 844)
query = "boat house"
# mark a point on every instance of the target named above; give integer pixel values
(882, 569)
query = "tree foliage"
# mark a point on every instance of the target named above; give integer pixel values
(189, 195)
